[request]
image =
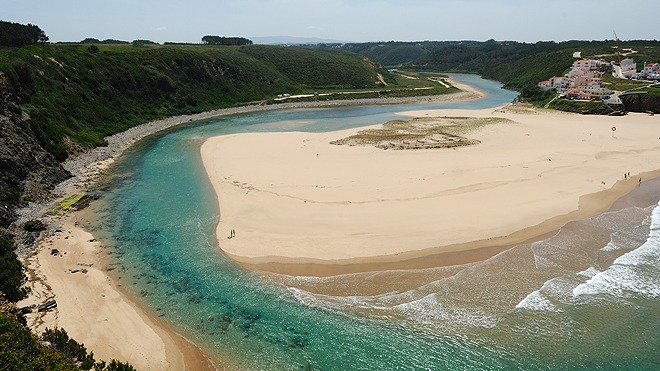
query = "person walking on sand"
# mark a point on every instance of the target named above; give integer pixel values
(640, 182)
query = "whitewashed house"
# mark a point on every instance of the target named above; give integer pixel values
(625, 70)
(651, 71)
(588, 64)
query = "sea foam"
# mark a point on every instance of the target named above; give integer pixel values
(536, 301)
(430, 310)
(633, 273)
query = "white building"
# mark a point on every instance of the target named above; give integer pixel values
(588, 64)
(626, 70)
(651, 71)
(556, 83)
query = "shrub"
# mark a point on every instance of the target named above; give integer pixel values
(12, 276)
(34, 226)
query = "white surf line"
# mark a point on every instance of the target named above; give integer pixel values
(634, 272)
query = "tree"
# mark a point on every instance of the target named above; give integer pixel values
(16, 34)
(221, 40)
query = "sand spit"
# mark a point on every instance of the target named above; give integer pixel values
(294, 198)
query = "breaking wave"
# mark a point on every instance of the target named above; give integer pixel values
(633, 273)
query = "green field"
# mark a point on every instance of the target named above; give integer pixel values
(613, 83)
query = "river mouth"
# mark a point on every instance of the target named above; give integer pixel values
(158, 220)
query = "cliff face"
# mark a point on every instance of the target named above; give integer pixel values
(642, 102)
(27, 171)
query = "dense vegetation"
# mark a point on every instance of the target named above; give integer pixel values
(22, 350)
(318, 68)
(92, 40)
(12, 276)
(517, 65)
(16, 34)
(221, 40)
(85, 93)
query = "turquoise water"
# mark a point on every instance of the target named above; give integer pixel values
(158, 219)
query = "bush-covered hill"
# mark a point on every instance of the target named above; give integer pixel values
(318, 68)
(84, 93)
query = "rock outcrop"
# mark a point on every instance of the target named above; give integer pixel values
(27, 171)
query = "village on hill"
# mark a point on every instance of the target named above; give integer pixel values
(584, 81)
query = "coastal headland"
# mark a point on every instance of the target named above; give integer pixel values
(300, 205)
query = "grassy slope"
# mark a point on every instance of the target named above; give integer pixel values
(86, 96)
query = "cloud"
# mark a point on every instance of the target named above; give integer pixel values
(161, 28)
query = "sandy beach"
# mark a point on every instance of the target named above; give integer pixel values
(90, 307)
(295, 198)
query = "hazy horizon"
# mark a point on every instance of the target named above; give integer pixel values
(368, 20)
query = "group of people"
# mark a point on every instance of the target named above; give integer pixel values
(232, 233)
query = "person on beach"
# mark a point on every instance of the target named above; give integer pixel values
(640, 182)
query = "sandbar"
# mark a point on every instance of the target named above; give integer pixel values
(295, 198)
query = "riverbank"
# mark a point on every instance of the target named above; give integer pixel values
(90, 306)
(69, 268)
(302, 206)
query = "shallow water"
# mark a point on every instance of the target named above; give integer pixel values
(552, 304)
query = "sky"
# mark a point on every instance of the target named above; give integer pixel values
(346, 20)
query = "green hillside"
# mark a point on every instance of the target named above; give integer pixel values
(86, 92)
